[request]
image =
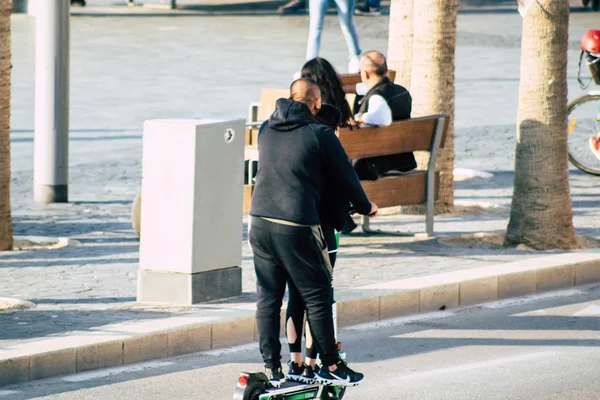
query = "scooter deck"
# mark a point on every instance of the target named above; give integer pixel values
(292, 391)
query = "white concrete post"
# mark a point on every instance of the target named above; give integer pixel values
(51, 140)
(192, 191)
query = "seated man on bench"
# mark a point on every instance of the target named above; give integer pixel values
(379, 102)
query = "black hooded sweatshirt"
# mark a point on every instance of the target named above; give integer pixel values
(299, 158)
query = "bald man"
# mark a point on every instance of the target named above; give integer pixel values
(382, 102)
(379, 102)
(299, 157)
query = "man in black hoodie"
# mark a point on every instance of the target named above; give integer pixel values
(298, 157)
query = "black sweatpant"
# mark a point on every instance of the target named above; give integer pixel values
(294, 252)
(296, 307)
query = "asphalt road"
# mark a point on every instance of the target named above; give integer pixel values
(539, 347)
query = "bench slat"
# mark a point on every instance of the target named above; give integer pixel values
(403, 136)
(353, 79)
(400, 190)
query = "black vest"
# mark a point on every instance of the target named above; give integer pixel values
(400, 102)
(396, 96)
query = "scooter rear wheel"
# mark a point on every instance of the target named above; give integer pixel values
(333, 392)
(254, 390)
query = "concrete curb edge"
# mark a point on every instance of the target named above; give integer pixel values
(356, 306)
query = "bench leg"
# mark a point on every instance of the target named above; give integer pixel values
(429, 212)
(364, 224)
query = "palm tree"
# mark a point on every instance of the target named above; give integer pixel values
(400, 43)
(432, 82)
(6, 238)
(541, 216)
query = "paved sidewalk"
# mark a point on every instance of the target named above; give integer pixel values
(127, 70)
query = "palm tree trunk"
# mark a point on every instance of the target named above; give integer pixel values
(6, 238)
(400, 43)
(541, 216)
(432, 84)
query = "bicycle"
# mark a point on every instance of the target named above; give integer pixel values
(584, 112)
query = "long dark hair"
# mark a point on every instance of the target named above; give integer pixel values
(332, 92)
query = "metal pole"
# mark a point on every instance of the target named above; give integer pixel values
(51, 141)
(173, 4)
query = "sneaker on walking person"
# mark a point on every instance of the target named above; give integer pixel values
(341, 376)
(275, 376)
(368, 10)
(309, 374)
(295, 371)
(293, 6)
(354, 65)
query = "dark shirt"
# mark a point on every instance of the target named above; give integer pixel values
(299, 158)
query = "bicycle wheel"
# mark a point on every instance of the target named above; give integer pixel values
(584, 122)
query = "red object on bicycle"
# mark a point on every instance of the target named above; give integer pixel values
(591, 41)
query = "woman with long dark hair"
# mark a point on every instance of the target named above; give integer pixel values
(332, 92)
(335, 112)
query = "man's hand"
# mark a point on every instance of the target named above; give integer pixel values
(374, 210)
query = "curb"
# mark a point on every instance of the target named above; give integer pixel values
(109, 347)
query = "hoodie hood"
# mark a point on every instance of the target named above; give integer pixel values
(290, 115)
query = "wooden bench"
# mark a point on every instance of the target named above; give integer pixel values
(417, 134)
(394, 189)
(400, 189)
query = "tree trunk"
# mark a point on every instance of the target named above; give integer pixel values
(432, 85)
(541, 216)
(400, 42)
(6, 235)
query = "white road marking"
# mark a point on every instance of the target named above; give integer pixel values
(590, 310)
(230, 350)
(482, 364)
(86, 376)
(399, 320)
(8, 392)
(531, 298)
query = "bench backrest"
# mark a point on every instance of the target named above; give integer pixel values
(416, 134)
(268, 97)
(353, 79)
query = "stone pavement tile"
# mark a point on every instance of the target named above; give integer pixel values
(587, 273)
(357, 311)
(478, 291)
(60, 362)
(100, 356)
(440, 297)
(145, 348)
(517, 284)
(555, 278)
(14, 370)
(399, 304)
(241, 331)
(189, 340)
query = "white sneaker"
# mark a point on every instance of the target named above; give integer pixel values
(595, 145)
(354, 65)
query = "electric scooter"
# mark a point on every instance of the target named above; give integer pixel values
(255, 386)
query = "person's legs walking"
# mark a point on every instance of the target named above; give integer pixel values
(317, 10)
(345, 15)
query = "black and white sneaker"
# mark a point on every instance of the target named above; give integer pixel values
(342, 376)
(368, 11)
(295, 371)
(275, 376)
(308, 376)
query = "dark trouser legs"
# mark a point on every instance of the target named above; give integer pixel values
(282, 251)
